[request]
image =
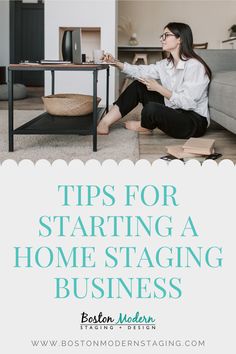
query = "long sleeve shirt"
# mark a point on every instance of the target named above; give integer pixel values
(188, 83)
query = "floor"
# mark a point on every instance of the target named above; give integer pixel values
(151, 146)
(33, 100)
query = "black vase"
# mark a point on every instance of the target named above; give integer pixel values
(67, 46)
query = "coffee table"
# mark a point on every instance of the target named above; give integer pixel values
(48, 124)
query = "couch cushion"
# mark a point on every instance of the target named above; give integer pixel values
(222, 93)
(224, 120)
(219, 59)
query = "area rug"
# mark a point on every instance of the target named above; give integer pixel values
(118, 145)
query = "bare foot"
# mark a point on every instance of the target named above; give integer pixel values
(110, 118)
(136, 126)
(102, 128)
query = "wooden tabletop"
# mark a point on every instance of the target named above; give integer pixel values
(124, 48)
(58, 66)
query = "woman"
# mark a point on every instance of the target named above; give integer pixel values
(179, 104)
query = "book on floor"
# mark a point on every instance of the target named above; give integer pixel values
(199, 146)
(179, 152)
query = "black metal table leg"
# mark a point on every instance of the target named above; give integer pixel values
(53, 82)
(95, 79)
(10, 111)
(107, 90)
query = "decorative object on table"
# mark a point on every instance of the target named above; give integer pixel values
(126, 27)
(71, 46)
(232, 31)
(76, 46)
(133, 39)
(69, 104)
(67, 46)
(98, 55)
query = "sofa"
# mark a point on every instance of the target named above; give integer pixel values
(222, 90)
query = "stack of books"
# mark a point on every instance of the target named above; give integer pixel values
(45, 61)
(193, 148)
(54, 61)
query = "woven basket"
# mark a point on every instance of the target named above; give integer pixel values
(69, 104)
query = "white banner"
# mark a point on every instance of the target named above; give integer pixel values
(117, 257)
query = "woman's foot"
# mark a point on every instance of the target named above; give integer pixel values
(111, 117)
(102, 128)
(136, 126)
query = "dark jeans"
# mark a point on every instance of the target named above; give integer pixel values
(176, 123)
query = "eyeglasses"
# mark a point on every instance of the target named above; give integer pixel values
(165, 35)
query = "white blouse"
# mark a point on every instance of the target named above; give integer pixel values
(188, 83)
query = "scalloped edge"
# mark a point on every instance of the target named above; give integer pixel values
(142, 162)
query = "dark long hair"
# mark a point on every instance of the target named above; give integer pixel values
(184, 32)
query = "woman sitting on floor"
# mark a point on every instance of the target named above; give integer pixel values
(179, 104)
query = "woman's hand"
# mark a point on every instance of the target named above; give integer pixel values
(109, 59)
(153, 85)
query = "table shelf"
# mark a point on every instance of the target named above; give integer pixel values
(46, 123)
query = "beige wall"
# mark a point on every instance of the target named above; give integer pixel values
(209, 20)
(80, 13)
